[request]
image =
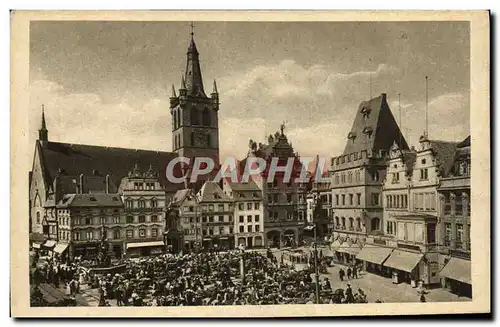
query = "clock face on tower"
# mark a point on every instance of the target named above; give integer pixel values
(200, 138)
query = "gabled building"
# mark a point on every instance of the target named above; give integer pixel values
(357, 176)
(217, 224)
(185, 203)
(284, 201)
(248, 212)
(145, 204)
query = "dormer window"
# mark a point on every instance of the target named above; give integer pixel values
(93, 199)
(366, 112)
(423, 161)
(216, 196)
(368, 130)
(351, 136)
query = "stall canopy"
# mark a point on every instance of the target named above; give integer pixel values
(49, 243)
(61, 247)
(353, 249)
(144, 244)
(36, 245)
(457, 269)
(374, 254)
(403, 260)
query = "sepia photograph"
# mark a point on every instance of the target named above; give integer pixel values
(206, 162)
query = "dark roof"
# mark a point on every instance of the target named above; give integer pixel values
(374, 118)
(464, 143)
(91, 200)
(91, 160)
(242, 187)
(444, 153)
(211, 192)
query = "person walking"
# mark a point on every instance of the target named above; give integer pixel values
(341, 274)
(348, 294)
(354, 272)
(349, 273)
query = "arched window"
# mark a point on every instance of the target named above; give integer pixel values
(179, 118)
(343, 221)
(194, 116)
(337, 221)
(358, 223)
(174, 120)
(38, 217)
(206, 117)
(351, 222)
(375, 224)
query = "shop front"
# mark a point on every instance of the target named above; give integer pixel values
(373, 257)
(85, 251)
(349, 253)
(141, 249)
(404, 267)
(61, 249)
(456, 277)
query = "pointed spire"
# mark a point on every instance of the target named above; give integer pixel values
(215, 88)
(173, 92)
(183, 83)
(194, 81)
(43, 133)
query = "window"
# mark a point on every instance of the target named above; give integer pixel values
(76, 236)
(336, 199)
(142, 233)
(351, 197)
(204, 231)
(191, 208)
(358, 176)
(256, 206)
(375, 224)
(88, 221)
(249, 219)
(154, 219)
(257, 218)
(221, 218)
(116, 234)
(337, 221)
(221, 207)
(154, 204)
(375, 175)
(210, 219)
(343, 199)
(142, 219)
(460, 236)
(423, 174)
(249, 228)
(349, 177)
(447, 234)
(221, 230)
(343, 222)
(242, 219)
(375, 199)
(116, 220)
(241, 206)
(351, 223)
(249, 206)
(141, 203)
(257, 228)
(242, 229)
(275, 197)
(395, 178)
(336, 179)
(210, 207)
(288, 198)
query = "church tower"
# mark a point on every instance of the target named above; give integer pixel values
(43, 133)
(195, 123)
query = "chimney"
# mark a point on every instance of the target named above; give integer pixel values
(107, 184)
(81, 184)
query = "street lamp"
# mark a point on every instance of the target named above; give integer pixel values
(316, 270)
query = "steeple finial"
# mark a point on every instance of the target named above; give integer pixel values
(173, 92)
(192, 29)
(215, 87)
(44, 126)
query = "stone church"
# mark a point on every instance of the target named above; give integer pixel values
(100, 169)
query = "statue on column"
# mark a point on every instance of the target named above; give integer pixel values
(103, 257)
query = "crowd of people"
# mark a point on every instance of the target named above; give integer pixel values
(194, 279)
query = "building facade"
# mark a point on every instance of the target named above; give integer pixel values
(284, 200)
(454, 222)
(357, 176)
(144, 214)
(248, 213)
(217, 220)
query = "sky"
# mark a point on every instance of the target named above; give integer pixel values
(109, 83)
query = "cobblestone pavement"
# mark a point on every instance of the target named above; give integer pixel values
(381, 288)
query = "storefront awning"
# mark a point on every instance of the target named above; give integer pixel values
(457, 269)
(310, 227)
(61, 247)
(335, 245)
(144, 244)
(402, 260)
(354, 249)
(49, 244)
(36, 245)
(374, 254)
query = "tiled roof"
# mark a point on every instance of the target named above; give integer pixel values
(91, 200)
(374, 128)
(444, 153)
(240, 186)
(91, 160)
(211, 192)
